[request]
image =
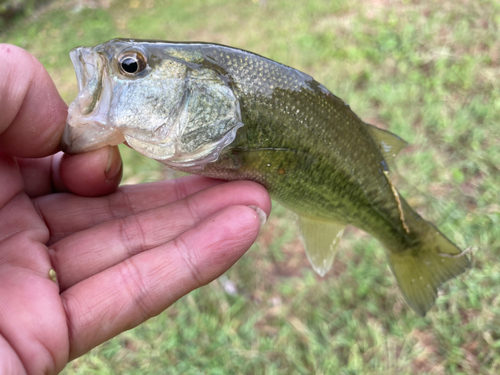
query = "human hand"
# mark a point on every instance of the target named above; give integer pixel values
(120, 258)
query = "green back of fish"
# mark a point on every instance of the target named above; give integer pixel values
(322, 161)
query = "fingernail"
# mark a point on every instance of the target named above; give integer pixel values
(114, 165)
(260, 214)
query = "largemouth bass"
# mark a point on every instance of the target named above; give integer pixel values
(226, 113)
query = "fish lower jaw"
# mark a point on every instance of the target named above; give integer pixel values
(87, 133)
(76, 120)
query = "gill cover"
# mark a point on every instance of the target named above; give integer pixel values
(171, 108)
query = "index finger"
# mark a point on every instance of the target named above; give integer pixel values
(33, 112)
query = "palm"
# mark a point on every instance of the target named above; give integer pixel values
(119, 258)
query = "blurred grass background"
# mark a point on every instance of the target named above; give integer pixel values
(427, 70)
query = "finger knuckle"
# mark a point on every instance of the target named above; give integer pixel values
(135, 286)
(190, 258)
(132, 235)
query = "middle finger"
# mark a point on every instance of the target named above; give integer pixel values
(66, 213)
(88, 252)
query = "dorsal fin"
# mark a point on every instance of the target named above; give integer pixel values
(389, 143)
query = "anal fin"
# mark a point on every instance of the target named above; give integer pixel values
(321, 239)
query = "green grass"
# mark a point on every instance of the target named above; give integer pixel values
(426, 70)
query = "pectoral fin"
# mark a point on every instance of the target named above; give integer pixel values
(321, 239)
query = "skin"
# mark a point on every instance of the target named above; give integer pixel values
(122, 255)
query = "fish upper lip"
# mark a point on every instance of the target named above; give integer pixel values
(83, 60)
(93, 90)
(86, 125)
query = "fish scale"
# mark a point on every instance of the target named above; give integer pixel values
(227, 113)
(264, 129)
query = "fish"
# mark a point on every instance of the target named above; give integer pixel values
(226, 113)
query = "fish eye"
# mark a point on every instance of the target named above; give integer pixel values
(131, 63)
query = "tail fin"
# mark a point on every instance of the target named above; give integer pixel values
(423, 268)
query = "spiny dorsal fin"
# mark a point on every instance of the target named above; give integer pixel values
(390, 143)
(321, 239)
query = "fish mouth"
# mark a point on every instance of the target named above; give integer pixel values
(84, 63)
(87, 123)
